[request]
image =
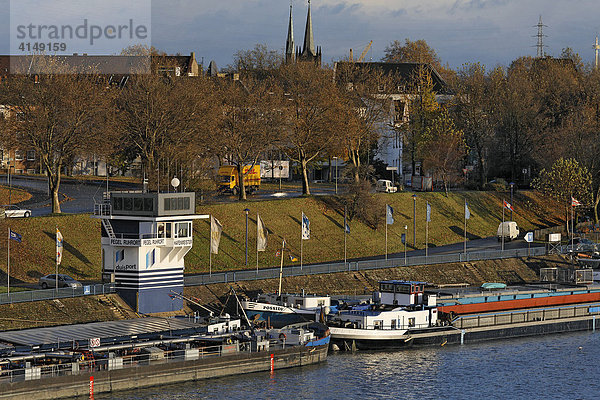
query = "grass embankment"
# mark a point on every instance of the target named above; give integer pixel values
(282, 218)
(35, 255)
(13, 196)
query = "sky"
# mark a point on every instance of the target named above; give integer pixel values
(493, 32)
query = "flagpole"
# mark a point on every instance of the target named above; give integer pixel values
(502, 230)
(465, 231)
(210, 248)
(572, 224)
(301, 240)
(56, 280)
(427, 216)
(345, 233)
(386, 224)
(257, 243)
(281, 266)
(8, 264)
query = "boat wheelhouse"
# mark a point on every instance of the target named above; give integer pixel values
(399, 307)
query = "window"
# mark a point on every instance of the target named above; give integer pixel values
(182, 229)
(19, 155)
(168, 227)
(117, 203)
(148, 204)
(176, 203)
(31, 155)
(127, 204)
(160, 230)
(411, 322)
(119, 255)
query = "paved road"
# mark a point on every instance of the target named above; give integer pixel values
(76, 196)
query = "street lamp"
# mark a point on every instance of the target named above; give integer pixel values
(511, 200)
(405, 240)
(336, 173)
(414, 196)
(246, 211)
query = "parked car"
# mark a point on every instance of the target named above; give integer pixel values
(14, 211)
(49, 281)
(585, 244)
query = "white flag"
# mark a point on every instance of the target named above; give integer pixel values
(215, 234)
(261, 234)
(59, 246)
(305, 227)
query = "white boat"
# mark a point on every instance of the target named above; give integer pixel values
(285, 309)
(399, 308)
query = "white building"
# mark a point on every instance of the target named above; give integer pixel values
(145, 237)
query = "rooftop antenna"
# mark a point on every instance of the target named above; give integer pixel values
(596, 48)
(540, 38)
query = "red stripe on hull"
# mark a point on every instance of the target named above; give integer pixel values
(520, 303)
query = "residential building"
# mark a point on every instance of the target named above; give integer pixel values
(390, 149)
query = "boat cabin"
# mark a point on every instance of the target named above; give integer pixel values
(306, 301)
(404, 293)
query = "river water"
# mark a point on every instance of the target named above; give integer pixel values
(561, 366)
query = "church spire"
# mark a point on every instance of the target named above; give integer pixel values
(309, 42)
(289, 44)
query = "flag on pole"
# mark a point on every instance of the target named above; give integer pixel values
(261, 234)
(14, 236)
(389, 214)
(467, 212)
(346, 226)
(428, 212)
(59, 246)
(215, 234)
(305, 227)
(508, 205)
(575, 202)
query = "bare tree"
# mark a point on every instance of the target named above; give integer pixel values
(366, 110)
(249, 121)
(443, 149)
(313, 111)
(162, 118)
(57, 115)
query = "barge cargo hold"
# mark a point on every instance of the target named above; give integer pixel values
(475, 300)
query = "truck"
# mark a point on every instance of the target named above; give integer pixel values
(509, 230)
(383, 185)
(228, 181)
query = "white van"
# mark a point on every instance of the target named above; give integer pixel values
(383, 185)
(509, 230)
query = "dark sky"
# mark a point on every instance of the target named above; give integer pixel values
(488, 31)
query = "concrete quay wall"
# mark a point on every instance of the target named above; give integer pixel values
(161, 374)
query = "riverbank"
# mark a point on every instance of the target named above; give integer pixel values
(111, 307)
(34, 256)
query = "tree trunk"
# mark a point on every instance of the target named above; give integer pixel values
(242, 184)
(305, 186)
(595, 207)
(54, 184)
(356, 163)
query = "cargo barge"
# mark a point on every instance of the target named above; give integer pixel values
(478, 300)
(68, 361)
(403, 314)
